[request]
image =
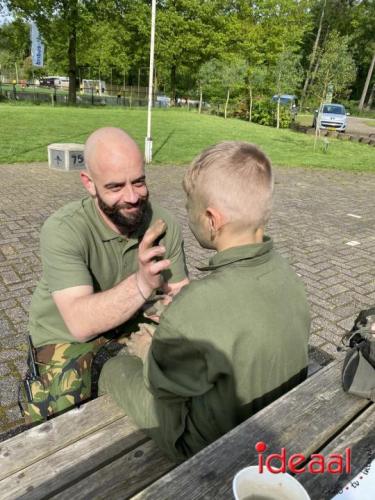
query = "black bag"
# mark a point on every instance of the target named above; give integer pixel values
(358, 373)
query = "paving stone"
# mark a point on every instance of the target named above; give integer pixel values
(8, 391)
(8, 355)
(6, 304)
(14, 414)
(309, 225)
(17, 314)
(9, 277)
(337, 289)
(13, 341)
(4, 369)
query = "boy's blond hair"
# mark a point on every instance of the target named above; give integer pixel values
(235, 177)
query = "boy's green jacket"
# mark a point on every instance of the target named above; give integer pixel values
(228, 345)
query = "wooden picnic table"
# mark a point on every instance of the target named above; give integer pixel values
(97, 452)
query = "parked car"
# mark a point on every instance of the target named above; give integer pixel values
(287, 100)
(61, 82)
(331, 117)
(163, 101)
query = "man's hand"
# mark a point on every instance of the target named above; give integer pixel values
(153, 310)
(139, 342)
(148, 276)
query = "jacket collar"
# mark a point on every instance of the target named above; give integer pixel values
(259, 252)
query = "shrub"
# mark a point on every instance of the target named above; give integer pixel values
(264, 112)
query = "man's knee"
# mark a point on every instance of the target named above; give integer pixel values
(62, 381)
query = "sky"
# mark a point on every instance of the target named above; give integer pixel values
(4, 16)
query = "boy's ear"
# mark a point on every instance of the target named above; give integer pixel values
(215, 219)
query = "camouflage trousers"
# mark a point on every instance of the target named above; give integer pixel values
(63, 381)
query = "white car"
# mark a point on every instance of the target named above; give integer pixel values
(331, 117)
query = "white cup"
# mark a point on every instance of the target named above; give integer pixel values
(250, 484)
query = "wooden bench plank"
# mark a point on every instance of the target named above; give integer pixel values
(303, 420)
(66, 466)
(360, 438)
(55, 434)
(122, 478)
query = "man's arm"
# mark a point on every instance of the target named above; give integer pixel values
(88, 314)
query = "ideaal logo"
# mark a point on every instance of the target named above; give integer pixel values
(318, 464)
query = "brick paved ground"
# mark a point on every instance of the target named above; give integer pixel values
(310, 225)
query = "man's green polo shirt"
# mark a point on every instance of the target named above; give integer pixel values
(78, 248)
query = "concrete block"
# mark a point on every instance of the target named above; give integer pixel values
(365, 140)
(66, 156)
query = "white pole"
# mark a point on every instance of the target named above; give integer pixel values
(148, 140)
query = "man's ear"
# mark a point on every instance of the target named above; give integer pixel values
(216, 219)
(87, 182)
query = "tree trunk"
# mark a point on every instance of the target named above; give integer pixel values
(200, 98)
(318, 60)
(371, 98)
(226, 104)
(156, 90)
(313, 55)
(250, 103)
(173, 83)
(278, 113)
(367, 83)
(72, 20)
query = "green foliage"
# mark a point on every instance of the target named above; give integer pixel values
(189, 33)
(336, 67)
(209, 79)
(287, 73)
(112, 38)
(264, 113)
(233, 73)
(14, 42)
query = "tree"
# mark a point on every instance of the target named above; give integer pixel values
(336, 68)
(367, 83)
(188, 33)
(287, 75)
(48, 14)
(14, 44)
(354, 19)
(233, 76)
(63, 23)
(259, 29)
(256, 78)
(313, 53)
(208, 75)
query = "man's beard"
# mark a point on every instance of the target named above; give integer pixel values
(126, 224)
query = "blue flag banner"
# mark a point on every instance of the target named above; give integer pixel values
(37, 47)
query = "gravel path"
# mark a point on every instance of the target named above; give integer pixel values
(358, 126)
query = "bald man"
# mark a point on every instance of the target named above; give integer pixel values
(101, 263)
(231, 342)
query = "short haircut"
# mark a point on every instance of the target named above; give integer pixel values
(235, 177)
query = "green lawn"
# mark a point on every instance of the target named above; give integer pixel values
(305, 119)
(39, 90)
(178, 136)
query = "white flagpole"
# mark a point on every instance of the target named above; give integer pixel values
(148, 140)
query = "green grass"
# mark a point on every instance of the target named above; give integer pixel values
(31, 90)
(370, 123)
(305, 119)
(178, 136)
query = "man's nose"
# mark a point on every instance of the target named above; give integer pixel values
(130, 194)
